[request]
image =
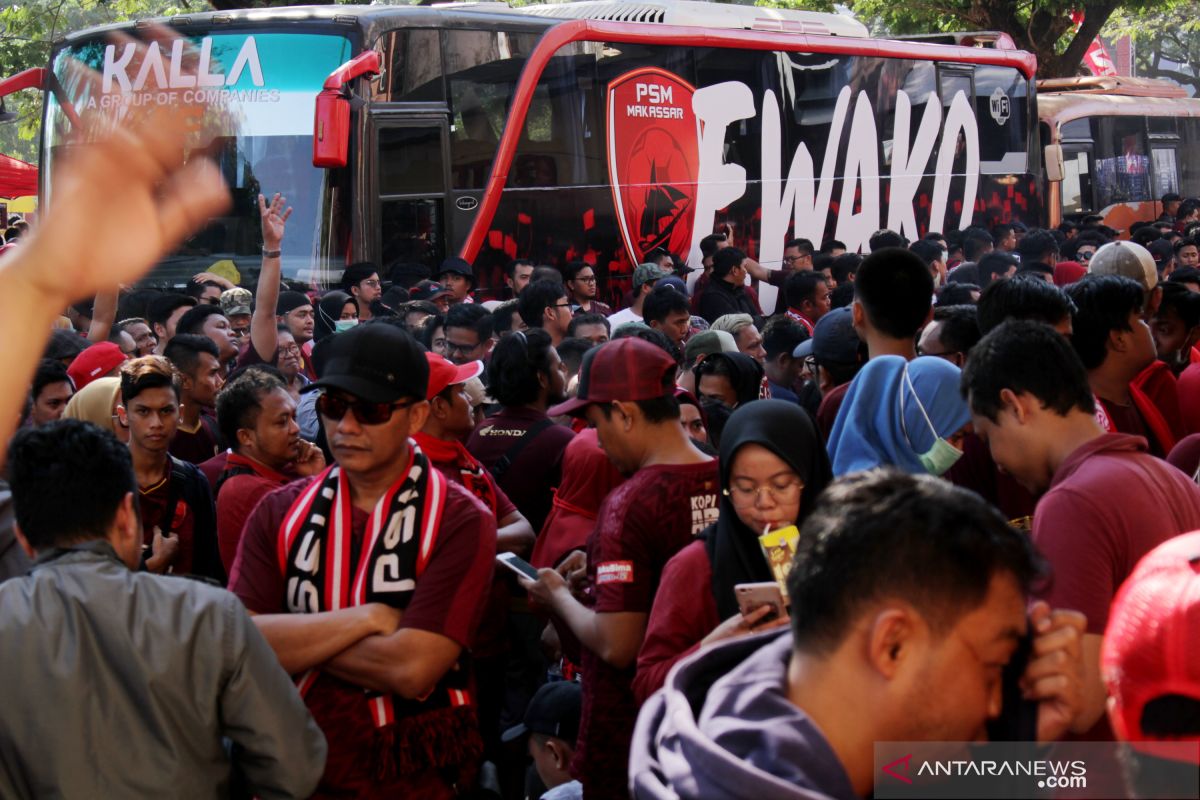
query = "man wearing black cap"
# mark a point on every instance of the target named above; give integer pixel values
(552, 724)
(627, 391)
(368, 580)
(457, 276)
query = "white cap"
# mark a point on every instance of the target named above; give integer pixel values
(1127, 259)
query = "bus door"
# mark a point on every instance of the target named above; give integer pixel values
(411, 176)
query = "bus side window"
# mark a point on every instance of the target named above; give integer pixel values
(412, 71)
(1122, 163)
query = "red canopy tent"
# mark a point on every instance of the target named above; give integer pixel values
(17, 178)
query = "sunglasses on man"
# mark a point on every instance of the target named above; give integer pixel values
(335, 406)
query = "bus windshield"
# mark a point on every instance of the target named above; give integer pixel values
(264, 85)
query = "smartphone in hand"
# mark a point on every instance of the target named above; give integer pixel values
(518, 565)
(751, 596)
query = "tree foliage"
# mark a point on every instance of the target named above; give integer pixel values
(1043, 27)
(1166, 40)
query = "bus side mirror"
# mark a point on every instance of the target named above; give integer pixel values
(331, 130)
(1054, 163)
(331, 120)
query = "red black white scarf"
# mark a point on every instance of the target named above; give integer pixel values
(315, 548)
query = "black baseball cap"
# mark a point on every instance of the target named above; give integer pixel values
(458, 266)
(553, 711)
(377, 362)
(427, 290)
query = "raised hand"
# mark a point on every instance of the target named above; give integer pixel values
(274, 220)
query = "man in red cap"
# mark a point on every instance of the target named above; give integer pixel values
(1151, 665)
(626, 391)
(101, 360)
(441, 438)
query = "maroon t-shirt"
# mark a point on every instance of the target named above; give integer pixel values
(448, 601)
(1109, 504)
(238, 496)
(197, 446)
(529, 481)
(1127, 419)
(642, 524)
(827, 412)
(153, 508)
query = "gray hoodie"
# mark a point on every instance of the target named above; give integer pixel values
(722, 727)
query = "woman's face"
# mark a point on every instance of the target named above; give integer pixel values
(764, 490)
(349, 311)
(693, 423)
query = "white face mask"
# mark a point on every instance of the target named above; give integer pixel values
(943, 455)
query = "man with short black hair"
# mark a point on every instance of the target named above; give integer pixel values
(1187, 253)
(50, 392)
(1024, 297)
(626, 390)
(172, 670)
(726, 293)
(593, 327)
(885, 238)
(179, 529)
(361, 281)
(900, 583)
(996, 266)
(1115, 344)
(201, 377)
(544, 304)
(893, 299)
(257, 417)
(1038, 247)
(780, 339)
(808, 298)
(1032, 403)
(468, 331)
(666, 309)
(976, 243)
(210, 321)
(517, 274)
(934, 257)
(163, 315)
(951, 334)
(369, 580)
(1005, 236)
(580, 280)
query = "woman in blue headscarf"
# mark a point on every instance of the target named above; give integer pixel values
(905, 414)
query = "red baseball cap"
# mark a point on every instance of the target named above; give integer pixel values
(442, 374)
(1152, 643)
(95, 362)
(627, 370)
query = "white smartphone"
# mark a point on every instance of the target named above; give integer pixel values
(752, 596)
(518, 565)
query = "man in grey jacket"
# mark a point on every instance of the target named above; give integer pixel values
(117, 683)
(908, 598)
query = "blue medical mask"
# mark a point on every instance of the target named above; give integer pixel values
(943, 455)
(344, 324)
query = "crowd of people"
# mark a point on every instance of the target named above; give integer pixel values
(269, 541)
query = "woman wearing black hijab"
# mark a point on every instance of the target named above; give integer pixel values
(334, 307)
(773, 466)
